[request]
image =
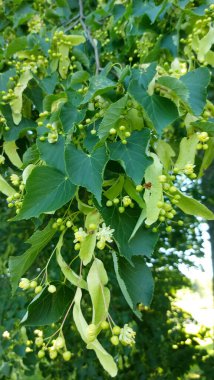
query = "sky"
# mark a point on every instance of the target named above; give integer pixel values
(205, 262)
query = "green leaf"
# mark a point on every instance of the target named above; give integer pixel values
(208, 157)
(10, 149)
(123, 224)
(31, 155)
(159, 110)
(69, 274)
(197, 81)
(187, 151)
(70, 114)
(177, 87)
(80, 76)
(192, 207)
(47, 189)
(103, 356)
(143, 242)
(149, 8)
(16, 104)
(5, 188)
(115, 189)
(53, 154)
(135, 281)
(129, 243)
(79, 163)
(48, 83)
(139, 223)
(111, 117)
(132, 155)
(205, 126)
(165, 154)
(135, 121)
(54, 102)
(15, 132)
(16, 45)
(47, 308)
(100, 295)
(18, 265)
(155, 194)
(4, 79)
(81, 57)
(99, 84)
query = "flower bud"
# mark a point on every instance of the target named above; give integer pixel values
(24, 283)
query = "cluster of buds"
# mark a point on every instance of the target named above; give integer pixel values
(53, 135)
(35, 24)
(145, 44)
(32, 62)
(62, 223)
(122, 132)
(125, 335)
(7, 97)
(15, 200)
(188, 170)
(122, 203)
(202, 138)
(58, 346)
(26, 284)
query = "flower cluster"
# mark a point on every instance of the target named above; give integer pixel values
(127, 336)
(103, 235)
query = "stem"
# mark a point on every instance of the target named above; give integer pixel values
(90, 38)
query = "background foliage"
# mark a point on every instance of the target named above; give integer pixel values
(104, 114)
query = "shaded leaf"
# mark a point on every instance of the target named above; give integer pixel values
(98, 85)
(79, 163)
(197, 81)
(47, 308)
(53, 154)
(135, 281)
(111, 117)
(47, 189)
(18, 265)
(132, 155)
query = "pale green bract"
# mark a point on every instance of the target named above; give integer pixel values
(155, 194)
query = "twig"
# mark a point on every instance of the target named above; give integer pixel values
(90, 38)
(71, 20)
(72, 25)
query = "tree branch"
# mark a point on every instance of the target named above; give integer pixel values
(92, 41)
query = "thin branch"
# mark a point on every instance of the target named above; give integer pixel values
(92, 41)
